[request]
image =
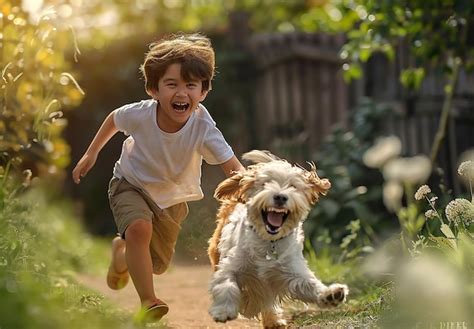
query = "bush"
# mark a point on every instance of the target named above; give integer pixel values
(356, 190)
(36, 87)
(41, 248)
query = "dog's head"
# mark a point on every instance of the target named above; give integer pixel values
(278, 195)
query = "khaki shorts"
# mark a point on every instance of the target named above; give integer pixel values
(129, 203)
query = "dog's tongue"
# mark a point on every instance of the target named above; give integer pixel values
(275, 218)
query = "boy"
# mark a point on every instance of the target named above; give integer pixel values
(159, 169)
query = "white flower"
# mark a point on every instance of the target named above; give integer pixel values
(422, 192)
(384, 149)
(466, 169)
(392, 195)
(414, 170)
(431, 214)
(460, 210)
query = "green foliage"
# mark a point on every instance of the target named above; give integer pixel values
(356, 189)
(412, 78)
(456, 227)
(438, 36)
(123, 19)
(411, 220)
(41, 248)
(36, 86)
(435, 33)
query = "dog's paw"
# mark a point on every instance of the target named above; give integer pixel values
(277, 324)
(334, 295)
(223, 313)
(273, 320)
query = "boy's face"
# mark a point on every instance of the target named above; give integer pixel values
(178, 98)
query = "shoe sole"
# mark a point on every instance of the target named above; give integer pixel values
(156, 312)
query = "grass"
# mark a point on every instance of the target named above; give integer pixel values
(368, 299)
(360, 311)
(42, 248)
(430, 290)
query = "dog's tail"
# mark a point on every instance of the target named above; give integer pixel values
(258, 156)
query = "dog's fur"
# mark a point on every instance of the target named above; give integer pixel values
(257, 248)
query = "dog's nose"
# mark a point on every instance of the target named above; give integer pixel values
(280, 199)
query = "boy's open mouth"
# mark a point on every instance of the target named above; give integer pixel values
(180, 107)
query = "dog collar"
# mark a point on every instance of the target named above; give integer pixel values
(272, 253)
(255, 231)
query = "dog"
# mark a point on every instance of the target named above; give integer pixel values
(256, 250)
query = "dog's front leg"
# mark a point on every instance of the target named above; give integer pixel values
(303, 285)
(225, 296)
(273, 318)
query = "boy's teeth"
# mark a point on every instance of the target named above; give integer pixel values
(181, 107)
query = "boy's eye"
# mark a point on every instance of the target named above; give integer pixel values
(192, 85)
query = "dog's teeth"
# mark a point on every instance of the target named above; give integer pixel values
(277, 210)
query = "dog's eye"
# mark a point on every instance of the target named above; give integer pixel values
(292, 184)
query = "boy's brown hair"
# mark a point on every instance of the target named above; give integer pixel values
(193, 51)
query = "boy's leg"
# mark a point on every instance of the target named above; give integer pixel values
(118, 276)
(133, 215)
(165, 234)
(138, 237)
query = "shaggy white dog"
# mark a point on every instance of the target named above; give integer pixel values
(257, 248)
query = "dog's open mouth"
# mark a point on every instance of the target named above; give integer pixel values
(274, 219)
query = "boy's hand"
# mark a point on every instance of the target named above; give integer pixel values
(231, 166)
(83, 166)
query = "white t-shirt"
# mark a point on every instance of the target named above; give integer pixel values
(167, 165)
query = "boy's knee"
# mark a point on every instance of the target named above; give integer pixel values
(138, 230)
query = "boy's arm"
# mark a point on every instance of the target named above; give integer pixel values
(103, 135)
(232, 165)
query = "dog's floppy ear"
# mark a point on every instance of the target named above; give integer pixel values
(259, 156)
(233, 188)
(319, 186)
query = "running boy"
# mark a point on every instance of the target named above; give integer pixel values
(159, 169)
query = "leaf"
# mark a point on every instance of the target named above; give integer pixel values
(447, 231)
(364, 54)
(444, 243)
(412, 78)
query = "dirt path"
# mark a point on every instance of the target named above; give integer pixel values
(183, 287)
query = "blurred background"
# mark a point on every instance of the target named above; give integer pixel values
(379, 94)
(309, 80)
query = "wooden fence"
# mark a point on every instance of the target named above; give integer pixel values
(301, 95)
(300, 92)
(415, 117)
